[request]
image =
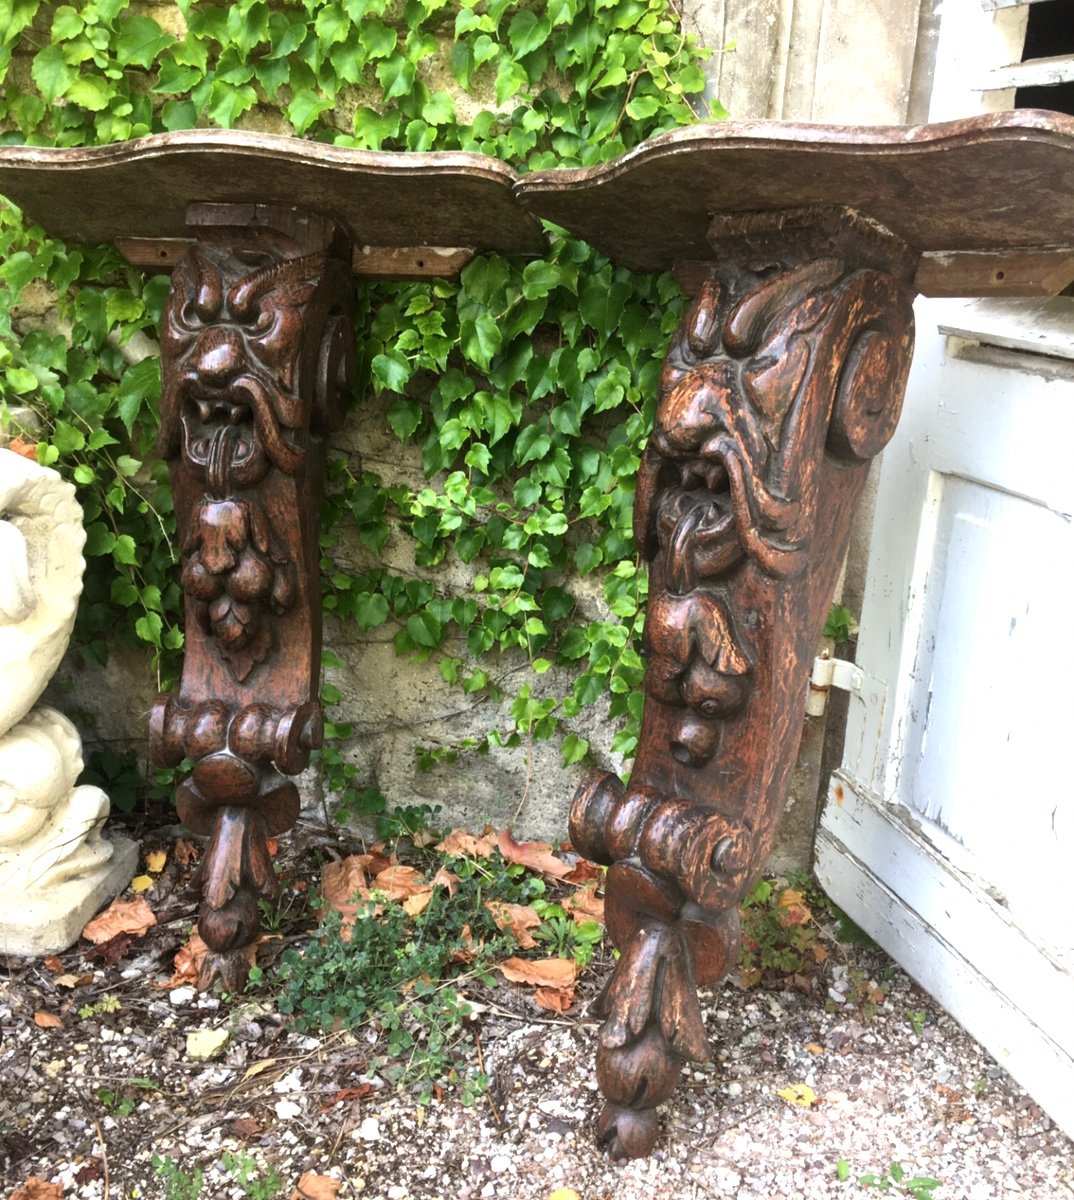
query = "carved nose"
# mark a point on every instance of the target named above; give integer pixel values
(218, 356)
(695, 740)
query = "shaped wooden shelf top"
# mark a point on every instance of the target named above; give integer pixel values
(137, 194)
(987, 203)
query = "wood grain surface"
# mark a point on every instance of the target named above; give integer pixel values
(995, 182)
(141, 189)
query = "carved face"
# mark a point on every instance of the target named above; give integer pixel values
(696, 665)
(232, 333)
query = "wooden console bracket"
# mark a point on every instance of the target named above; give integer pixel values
(257, 355)
(801, 245)
(785, 379)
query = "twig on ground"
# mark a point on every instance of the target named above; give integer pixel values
(481, 1067)
(104, 1156)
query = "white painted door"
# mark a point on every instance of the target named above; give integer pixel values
(948, 833)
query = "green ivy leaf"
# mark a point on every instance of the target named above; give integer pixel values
(174, 78)
(91, 92)
(229, 103)
(396, 76)
(573, 749)
(149, 627)
(528, 32)
(51, 73)
(425, 630)
(140, 385)
(305, 108)
(140, 41)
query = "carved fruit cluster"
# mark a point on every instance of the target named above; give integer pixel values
(233, 570)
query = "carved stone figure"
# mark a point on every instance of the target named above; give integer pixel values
(55, 867)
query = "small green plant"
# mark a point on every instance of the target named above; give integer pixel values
(121, 1103)
(840, 625)
(259, 1183)
(842, 1170)
(402, 974)
(779, 932)
(917, 1018)
(108, 1003)
(565, 937)
(920, 1187)
(118, 775)
(122, 1106)
(178, 1184)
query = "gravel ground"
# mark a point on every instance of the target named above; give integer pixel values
(882, 1075)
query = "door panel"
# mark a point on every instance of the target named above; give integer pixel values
(950, 825)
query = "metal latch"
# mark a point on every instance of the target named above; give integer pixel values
(827, 673)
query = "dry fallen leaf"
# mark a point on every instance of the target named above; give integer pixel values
(468, 948)
(344, 881)
(800, 1094)
(75, 981)
(23, 447)
(53, 963)
(446, 878)
(155, 860)
(344, 1095)
(537, 856)
(464, 845)
(397, 883)
(37, 1189)
(541, 972)
(585, 905)
(516, 919)
(47, 1020)
(121, 916)
(110, 952)
(187, 961)
(583, 871)
(256, 1068)
(141, 883)
(564, 1193)
(792, 909)
(245, 1127)
(415, 905)
(316, 1187)
(206, 1043)
(186, 852)
(554, 999)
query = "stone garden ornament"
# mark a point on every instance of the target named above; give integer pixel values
(56, 869)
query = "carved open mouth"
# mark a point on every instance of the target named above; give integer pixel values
(219, 434)
(708, 473)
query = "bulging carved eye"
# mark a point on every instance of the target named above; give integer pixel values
(266, 318)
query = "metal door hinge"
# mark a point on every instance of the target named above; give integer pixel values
(827, 673)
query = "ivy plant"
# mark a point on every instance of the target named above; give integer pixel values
(528, 385)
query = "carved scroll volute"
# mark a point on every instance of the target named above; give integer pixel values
(257, 356)
(786, 377)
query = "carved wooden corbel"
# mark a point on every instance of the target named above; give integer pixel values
(258, 354)
(785, 379)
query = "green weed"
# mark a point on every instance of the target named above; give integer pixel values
(919, 1187)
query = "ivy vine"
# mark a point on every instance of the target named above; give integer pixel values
(530, 386)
